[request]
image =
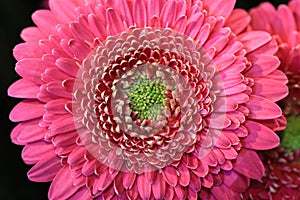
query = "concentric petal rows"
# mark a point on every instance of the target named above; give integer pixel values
(52, 55)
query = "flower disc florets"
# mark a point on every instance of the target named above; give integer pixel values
(145, 98)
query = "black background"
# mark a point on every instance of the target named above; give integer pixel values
(14, 16)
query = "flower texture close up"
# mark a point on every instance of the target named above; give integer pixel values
(281, 178)
(284, 26)
(141, 99)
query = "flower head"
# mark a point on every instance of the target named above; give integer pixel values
(284, 26)
(145, 99)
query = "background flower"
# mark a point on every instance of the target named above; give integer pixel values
(250, 76)
(284, 25)
(281, 179)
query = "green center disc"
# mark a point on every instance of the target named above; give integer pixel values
(147, 98)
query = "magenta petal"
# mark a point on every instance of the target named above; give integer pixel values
(143, 187)
(46, 169)
(27, 50)
(128, 179)
(76, 156)
(62, 185)
(219, 7)
(262, 86)
(260, 137)
(184, 177)
(115, 25)
(170, 175)
(252, 40)
(235, 181)
(27, 110)
(33, 152)
(238, 20)
(225, 193)
(159, 187)
(27, 132)
(24, 89)
(262, 108)
(31, 34)
(249, 164)
(263, 65)
(68, 66)
(62, 124)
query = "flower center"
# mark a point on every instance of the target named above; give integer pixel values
(147, 98)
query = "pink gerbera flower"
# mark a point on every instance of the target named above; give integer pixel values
(284, 26)
(145, 100)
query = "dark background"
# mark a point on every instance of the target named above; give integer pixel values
(14, 16)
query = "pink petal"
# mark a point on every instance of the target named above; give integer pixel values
(82, 193)
(89, 167)
(184, 177)
(171, 175)
(27, 50)
(202, 169)
(207, 181)
(31, 34)
(115, 25)
(64, 11)
(75, 48)
(180, 192)
(66, 139)
(77, 156)
(195, 183)
(31, 69)
(238, 20)
(57, 106)
(28, 131)
(159, 187)
(260, 137)
(62, 185)
(118, 186)
(46, 169)
(54, 74)
(68, 66)
(169, 192)
(97, 27)
(35, 151)
(143, 187)
(140, 13)
(287, 22)
(62, 124)
(224, 60)
(262, 108)
(24, 89)
(57, 88)
(249, 164)
(126, 12)
(252, 40)
(262, 86)
(229, 153)
(262, 65)
(128, 179)
(104, 180)
(167, 13)
(133, 192)
(219, 7)
(44, 20)
(80, 32)
(27, 110)
(235, 181)
(225, 193)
